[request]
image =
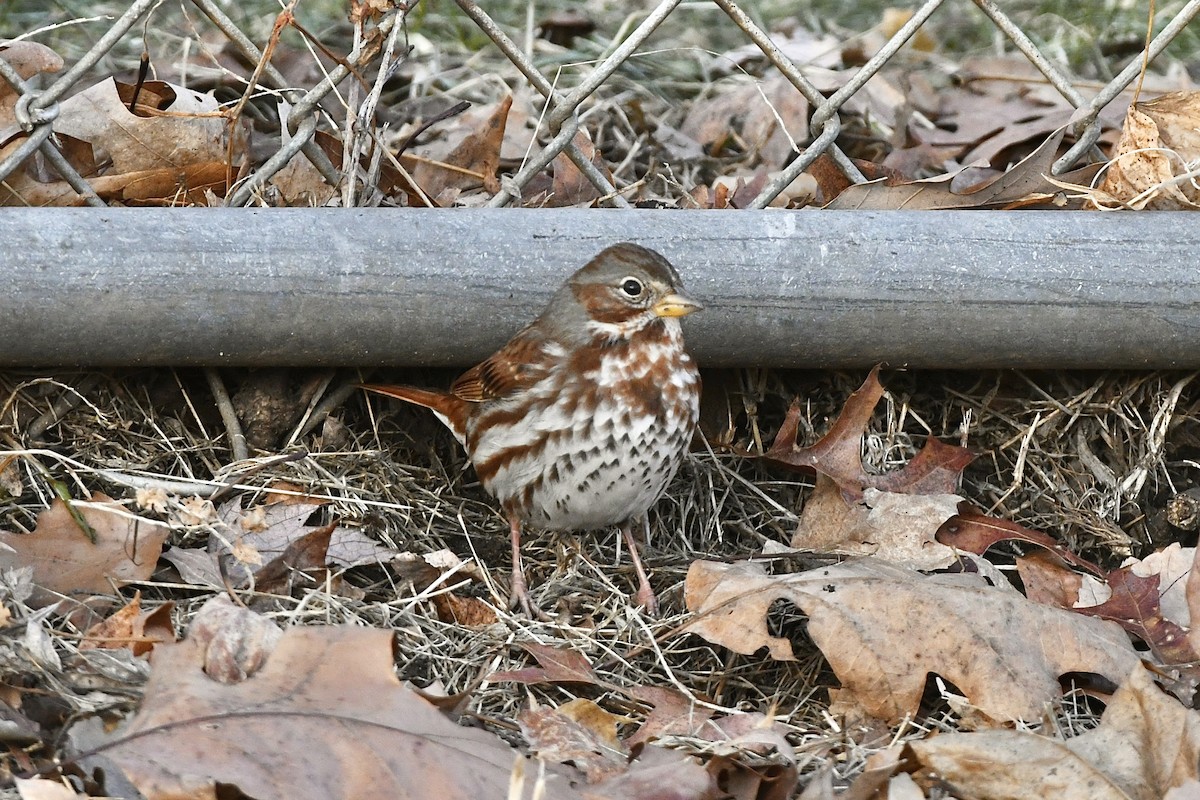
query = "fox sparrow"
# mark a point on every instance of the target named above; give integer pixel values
(582, 419)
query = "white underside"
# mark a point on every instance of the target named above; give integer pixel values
(584, 476)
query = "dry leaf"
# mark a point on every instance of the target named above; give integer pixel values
(132, 628)
(301, 184)
(883, 628)
(578, 732)
(937, 469)
(192, 132)
(1172, 566)
(893, 526)
(558, 665)
(1131, 596)
(567, 186)
(753, 759)
(423, 569)
(672, 714)
(895, 515)
(1134, 604)
(28, 59)
(197, 567)
(324, 718)
(1158, 143)
(271, 542)
(1047, 581)
(800, 45)
(171, 149)
(1145, 745)
(44, 789)
(361, 10)
(236, 641)
(975, 533)
(197, 511)
(762, 121)
(65, 562)
(470, 612)
(472, 163)
(1022, 185)
(661, 775)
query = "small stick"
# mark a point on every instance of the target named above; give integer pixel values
(67, 401)
(237, 439)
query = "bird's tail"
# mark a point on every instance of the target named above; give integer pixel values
(450, 409)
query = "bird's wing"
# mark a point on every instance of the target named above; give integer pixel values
(517, 366)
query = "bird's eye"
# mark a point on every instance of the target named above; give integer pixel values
(632, 287)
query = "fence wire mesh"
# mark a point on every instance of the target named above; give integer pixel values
(335, 124)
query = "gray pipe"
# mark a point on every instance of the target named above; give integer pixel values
(413, 287)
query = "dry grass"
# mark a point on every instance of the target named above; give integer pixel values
(1088, 458)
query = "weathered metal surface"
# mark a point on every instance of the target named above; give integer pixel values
(412, 287)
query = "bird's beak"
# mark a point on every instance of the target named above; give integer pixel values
(676, 305)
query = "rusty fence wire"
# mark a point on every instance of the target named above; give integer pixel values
(36, 109)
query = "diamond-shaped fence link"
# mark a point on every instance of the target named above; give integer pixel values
(36, 110)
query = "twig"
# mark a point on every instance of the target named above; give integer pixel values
(321, 410)
(68, 400)
(237, 439)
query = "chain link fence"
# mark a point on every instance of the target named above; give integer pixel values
(381, 46)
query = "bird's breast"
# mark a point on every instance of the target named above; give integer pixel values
(592, 444)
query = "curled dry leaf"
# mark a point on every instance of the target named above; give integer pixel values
(132, 628)
(937, 469)
(236, 641)
(65, 562)
(895, 515)
(1146, 744)
(324, 718)
(1158, 143)
(884, 628)
(975, 533)
(169, 128)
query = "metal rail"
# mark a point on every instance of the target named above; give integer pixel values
(417, 287)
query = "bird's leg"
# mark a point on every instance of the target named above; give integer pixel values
(645, 595)
(518, 592)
